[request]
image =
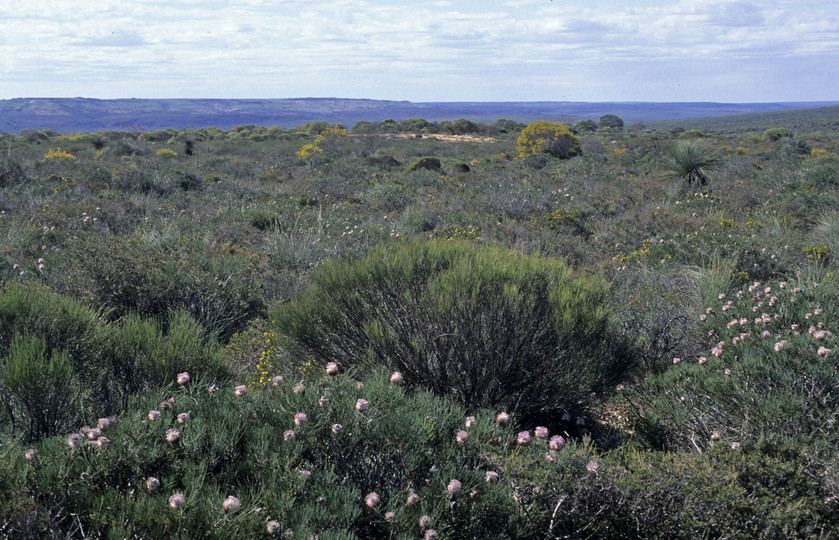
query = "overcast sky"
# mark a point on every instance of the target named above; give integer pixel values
(471, 50)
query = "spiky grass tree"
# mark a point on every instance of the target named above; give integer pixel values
(692, 161)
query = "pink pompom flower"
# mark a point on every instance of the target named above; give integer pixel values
(592, 467)
(177, 501)
(300, 419)
(361, 405)
(337, 429)
(454, 487)
(332, 368)
(461, 437)
(172, 436)
(396, 378)
(491, 477)
(288, 435)
(471, 421)
(183, 418)
(75, 440)
(152, 483)
(557, 442)
(372, 500)
(502, 419)
(231, 504)
(541, 432)
(183, 378)
(240, 390)
(523, 437)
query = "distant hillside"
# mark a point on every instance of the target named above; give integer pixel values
(67, 115)
(802, 122)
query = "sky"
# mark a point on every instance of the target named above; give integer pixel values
(472, 50)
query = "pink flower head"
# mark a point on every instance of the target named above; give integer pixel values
(766, 334)
(817, 311)
(30, 454)
(288, 435)
(425, 522)
(273, 527)
(231, 504)
(541, 432)
(337, 429)
(782, 284)
(240, 390)
(172, 436)
(619, 388)
(502, 419)
(716, 351)
(454, 487)
(820, 334)
(703, 317)
(183, 378)
(702, 360)
(361, 405)
(413, 498)
(332, 368)
(304, 474)
(372, 500)
(102, 442)
(323, 401)
(94, 434)
(176, 501)
(721, 296)
(715, 436)
(592, 467)
(461, 437)
(152, 483)
(823, 351)
(299, 388)
(677, 360)
(557, 442)
(726, 371)
(277, 381)
(183, 418)
(390, 515)
(523, 437)
(471, 421)
(550, 456)
(105, 423)
(735, 446)
(396, 378)
(430, 534)
(75, 440)
(779, 346)
(491, 477)
(300, 419)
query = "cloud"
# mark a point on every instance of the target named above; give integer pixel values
(114, 39)
(516, 49)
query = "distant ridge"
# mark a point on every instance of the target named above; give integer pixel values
(67, 115)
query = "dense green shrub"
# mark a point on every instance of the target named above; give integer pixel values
(487, 326)
(44, 391)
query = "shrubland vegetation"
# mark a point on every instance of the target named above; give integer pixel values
(415, 329)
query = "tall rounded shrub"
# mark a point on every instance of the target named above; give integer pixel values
(549, 138)
(485, 325)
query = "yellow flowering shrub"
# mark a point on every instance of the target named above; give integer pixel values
(58, 155)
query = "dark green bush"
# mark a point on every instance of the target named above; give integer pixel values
(487, 326)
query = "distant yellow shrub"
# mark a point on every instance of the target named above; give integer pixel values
(166, 153)
(58, 154)
(549, 138)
